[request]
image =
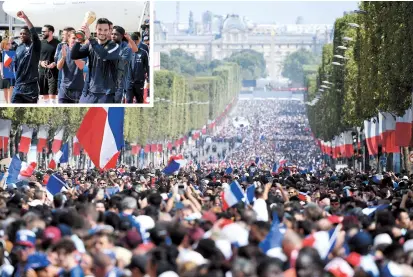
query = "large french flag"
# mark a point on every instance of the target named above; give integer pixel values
(5, 127)
(42, 136)
(404, 128)
(387, 124)
(232, 195)
(57, 140)
(25, 139)
(371, 131)
(101, 135)
(76, 146)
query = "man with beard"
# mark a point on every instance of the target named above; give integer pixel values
(119, 36)
(26, 89)
(72, 73)
(48, 72)
(103, 56)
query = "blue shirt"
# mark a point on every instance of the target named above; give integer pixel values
(103, 63)
(27, 60)
(72, 75)
(77, 271)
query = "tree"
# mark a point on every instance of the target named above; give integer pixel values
(252, 64)
(293, 68)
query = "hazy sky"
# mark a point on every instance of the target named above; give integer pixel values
(282, 12)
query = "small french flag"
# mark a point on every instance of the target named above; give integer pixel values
(302, 196)
(232, 195)
(7, 60)
(324, 242)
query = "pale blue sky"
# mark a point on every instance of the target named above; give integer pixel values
(282, 12)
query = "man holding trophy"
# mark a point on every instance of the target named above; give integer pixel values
(103, 56)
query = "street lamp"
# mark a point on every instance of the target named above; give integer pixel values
(321, 90)
(354, 25)
(336, 63)
(342, 47)
(324, 86)
(340, 57)
(328, 83)
(346, 39)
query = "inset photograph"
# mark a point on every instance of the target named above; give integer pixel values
(74, 52)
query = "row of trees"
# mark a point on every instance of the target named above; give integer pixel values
(372, 72)
(251, 62)
(183, 104)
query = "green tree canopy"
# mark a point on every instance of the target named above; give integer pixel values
(294, 65)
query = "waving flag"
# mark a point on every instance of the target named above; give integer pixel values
(55, 184)
(26, 171)
(324, 242)
(274, 237)
(372, 210)
(250, 194)
(278, 166)
(57, 141)
(14, 170)
(101, 135)
(229, 170)
(232, 195)
(42, 138)
(8, 71)
(174, 166)
(25, 139)
(7, 60)
(5, 126)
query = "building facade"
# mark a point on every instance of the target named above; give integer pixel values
(275, 42)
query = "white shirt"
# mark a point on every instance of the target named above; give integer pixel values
(260, 207)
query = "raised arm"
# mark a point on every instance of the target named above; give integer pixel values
(108, 52)
(79, 52)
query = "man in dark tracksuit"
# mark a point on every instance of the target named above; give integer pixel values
(138, 72)
(103, 56)
(72, 82)
(118, 36)
(26, 89)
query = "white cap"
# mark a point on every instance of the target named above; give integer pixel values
(187, 256)
(277, 252)
(405, 178)
(382, 239)
(146, 222)
(408, 245)
(169, 274)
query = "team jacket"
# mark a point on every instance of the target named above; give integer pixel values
(103, 63)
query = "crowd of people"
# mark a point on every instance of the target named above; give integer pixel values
(111, 66)
(275, 129)
(208, 221)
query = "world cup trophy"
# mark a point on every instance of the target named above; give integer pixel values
(90, 17)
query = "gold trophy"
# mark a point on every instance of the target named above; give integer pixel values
(90, 17)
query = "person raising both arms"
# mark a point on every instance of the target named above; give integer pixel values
(26, 63)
